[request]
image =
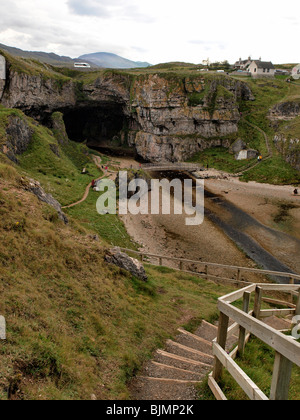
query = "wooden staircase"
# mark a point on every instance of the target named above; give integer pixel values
(173, 372)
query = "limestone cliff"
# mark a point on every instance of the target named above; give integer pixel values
(285, 118)
(174, 116)
(285, 110)
(164, 116)
(35, 93)
(18, 135)
(289, 148)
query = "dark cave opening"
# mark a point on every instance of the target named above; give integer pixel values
(102, 126)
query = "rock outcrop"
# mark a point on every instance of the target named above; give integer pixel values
(2, 86)
(285, 111)
(19, 135)
(36, 94)
(289, 148)
(163, 116)
(122, 260)
(171, 117)
(36, 188)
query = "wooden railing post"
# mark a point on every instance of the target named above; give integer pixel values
(292, 281)
(257, 303)
(282, 371)
(206, 272)
(238, 277)
(242, 335)
(297, 312)
(221, 340)
(281, 378)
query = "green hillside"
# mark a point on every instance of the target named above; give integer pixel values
(76, 327)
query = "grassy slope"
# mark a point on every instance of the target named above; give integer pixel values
(75, 325)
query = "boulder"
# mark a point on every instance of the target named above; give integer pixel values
(237, 146)
(35, 187)
(122, 260)
(252, 154)
(19, 135)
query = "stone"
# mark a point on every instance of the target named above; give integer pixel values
(237, 146)
(35, 187)
(122, 260)
(252, 154)
(2, 328)
(289, 148)
(58, 127)
(285, 110)
(19, 136)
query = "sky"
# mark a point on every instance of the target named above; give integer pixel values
(156, 31)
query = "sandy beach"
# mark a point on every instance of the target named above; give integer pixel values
(169, 235)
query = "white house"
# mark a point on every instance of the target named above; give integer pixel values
(259, 68)
(242, 64)
(296, 72)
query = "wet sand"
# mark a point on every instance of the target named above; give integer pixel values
(274, 216)
(249, 208)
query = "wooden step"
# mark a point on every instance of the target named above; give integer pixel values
(279, 324)
(159, 370)
(207, 331)
(188, 352)
(150, 389)
(191, 340)
(180, 362)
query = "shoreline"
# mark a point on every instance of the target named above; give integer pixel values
(168, 234)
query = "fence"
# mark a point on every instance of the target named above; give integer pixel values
(245, 323)
(287, 349)
(237, 272)
(168, 166)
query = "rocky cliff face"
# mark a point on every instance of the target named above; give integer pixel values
(36, 94)
(163, 116)
(174, 117)
(290, 149)
(2, 85)
(18, 134)
(287, 140)
(285, 110)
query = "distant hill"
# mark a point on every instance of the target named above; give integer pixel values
(101, 59)
(48, 58)
(113, 61)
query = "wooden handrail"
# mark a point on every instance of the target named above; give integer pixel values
(169, 166)
(286, 348)
(216, 265)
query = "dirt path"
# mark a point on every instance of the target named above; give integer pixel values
(119, 163)
(97, 161)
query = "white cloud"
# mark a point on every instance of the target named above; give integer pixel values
(156, 30)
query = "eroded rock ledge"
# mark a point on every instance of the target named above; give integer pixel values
(163, 116)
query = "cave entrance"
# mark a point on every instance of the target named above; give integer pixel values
(103, 128)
